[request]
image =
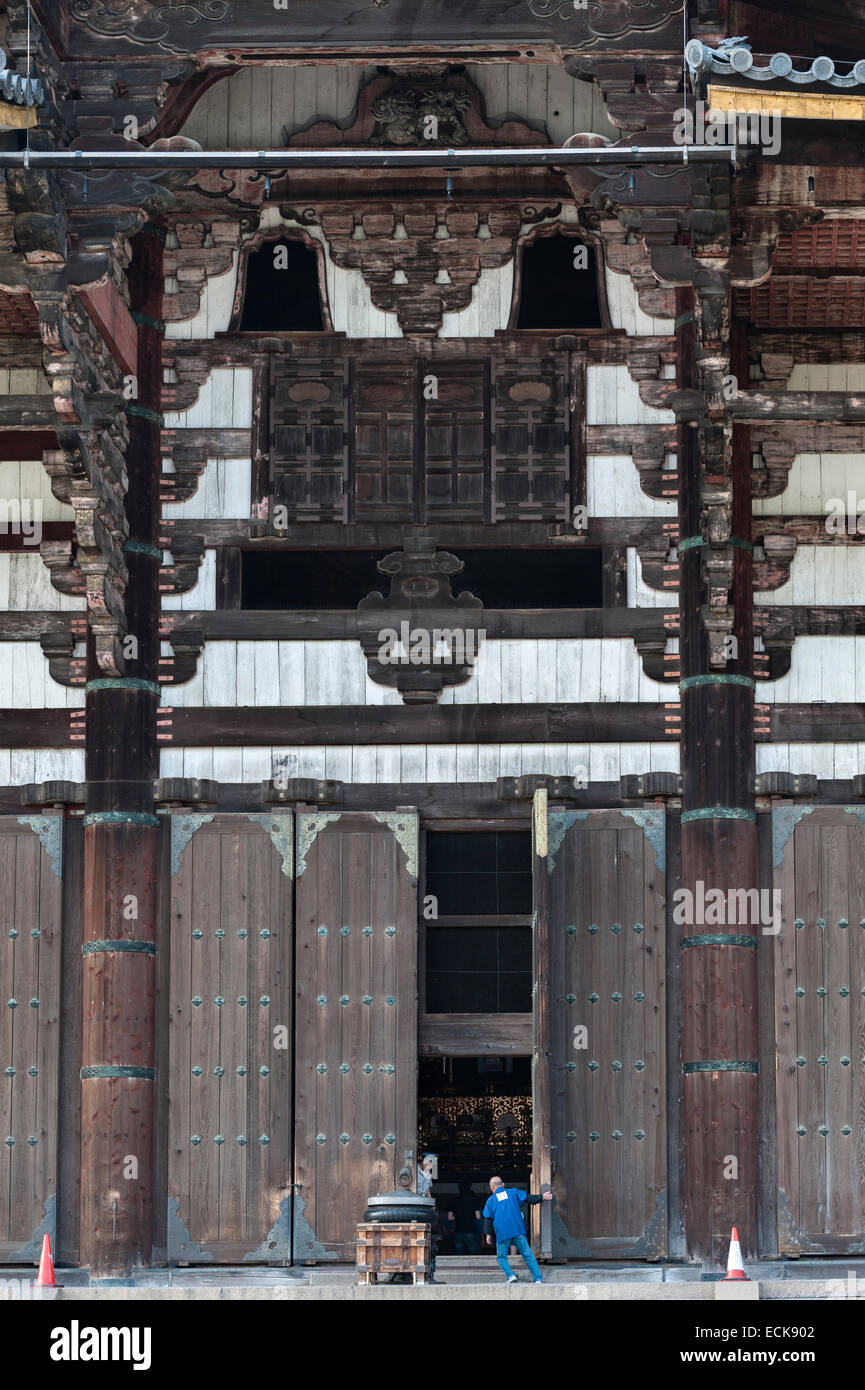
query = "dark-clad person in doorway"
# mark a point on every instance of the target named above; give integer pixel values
(466, 1222)
(424, 1187)
(503, 1216)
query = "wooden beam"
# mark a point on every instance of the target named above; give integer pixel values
(30, 626)
(344, 726)
(376, 724)
(841, 723)
(25, 444)
(48, 531)
(806, 530)
(839, 406)
(506, 535)
(32, 412)
(475, 1035)
(597, 346)
(210, 444)
(841, 620)
(252, 625)
(115, 324)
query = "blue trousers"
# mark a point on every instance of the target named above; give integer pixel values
(502, 1247)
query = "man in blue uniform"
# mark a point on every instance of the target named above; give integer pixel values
(503, 1215)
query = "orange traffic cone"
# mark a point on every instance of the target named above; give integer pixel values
(45, 1278)
(735, 1267)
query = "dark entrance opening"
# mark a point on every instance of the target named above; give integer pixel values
(559, 284)
(282, 290)
(501, 579)
(475, 1113)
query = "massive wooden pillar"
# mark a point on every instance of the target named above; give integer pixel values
(719, 846)
(120, 849)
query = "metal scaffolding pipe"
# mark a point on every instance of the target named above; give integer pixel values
(284, 160)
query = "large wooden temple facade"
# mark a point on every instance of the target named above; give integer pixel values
(432, 696)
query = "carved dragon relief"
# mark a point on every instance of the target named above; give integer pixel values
(425, 112)
(410, 115)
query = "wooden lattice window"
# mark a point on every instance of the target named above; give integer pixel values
(386, 438)
(479, 946)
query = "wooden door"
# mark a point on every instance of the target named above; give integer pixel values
(535, 418)
(230, 1048)
(309, 438)
(31, 857)
(456, 442)
(383, 443)
(599, 1094)
(819, 954)
(356, 1011)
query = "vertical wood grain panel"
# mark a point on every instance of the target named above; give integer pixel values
(357, 1022)
(820, 1029)
(230, 1101)
(30, 949)
(604, 923)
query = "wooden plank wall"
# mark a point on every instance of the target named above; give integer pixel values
(833, 376)
(514, 671)
(250, 109)
(25, 682)
(814, 479)
(639, 594)
(25, 585)
(828, 761)
(30, 950)
(613, 398)
(27, 481)
(820, 574)
(215, 305)
(24, 381)
(613, 489)
(223, 492)
(203, 594)
(822, 668)
(224, 402)
(397, 763)
(24, 765)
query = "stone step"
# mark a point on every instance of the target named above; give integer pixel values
(602, 1291)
